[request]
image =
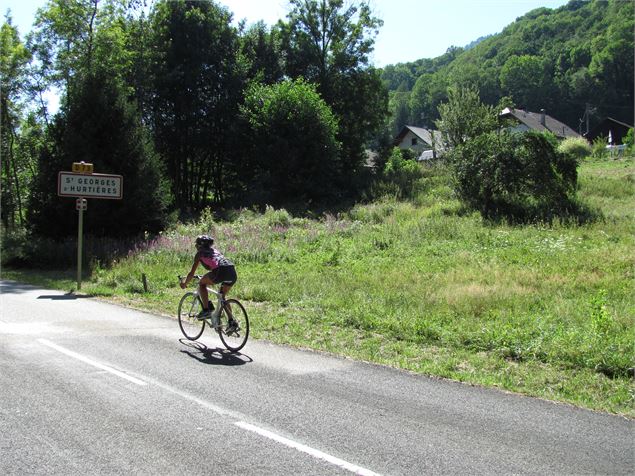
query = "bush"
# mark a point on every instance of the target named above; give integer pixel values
(577, 147)
(400, 174)
(516, 177)
(598, 149)
(293, 149)
(629, 140)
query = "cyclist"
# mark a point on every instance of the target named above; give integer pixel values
(221, 270)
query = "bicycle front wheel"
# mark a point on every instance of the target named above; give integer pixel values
(189, 309)
(234, 334)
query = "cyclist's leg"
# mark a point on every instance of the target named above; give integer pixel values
(202, 288)
(227, 276)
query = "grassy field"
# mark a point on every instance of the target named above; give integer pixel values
(421, 285)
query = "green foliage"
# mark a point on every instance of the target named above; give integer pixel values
(262, 50)
(400, 175)
(464, 116)
(329, 42)
(73, 37)
(598, 149)
(103, 128)
(523, 78)
(197, 86)
(629, 140)
(14, 173)
(517, 177)
(577, 147)
(293, 152)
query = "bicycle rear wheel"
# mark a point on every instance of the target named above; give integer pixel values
(189, 309)
(234, 339)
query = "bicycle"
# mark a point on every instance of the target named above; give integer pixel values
(192, 326)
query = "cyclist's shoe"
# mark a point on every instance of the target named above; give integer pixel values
(204, 314)
(232, 326)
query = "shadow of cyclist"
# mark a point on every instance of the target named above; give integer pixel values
(216, 356)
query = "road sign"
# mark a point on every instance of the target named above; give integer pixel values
(71, 184)
(81, 204)
(82, 168)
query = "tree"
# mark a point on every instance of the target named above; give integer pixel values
(72, 37)
(400, 112)
(428, 92)
(293, 147)
(197, 83)
(100, 126)
(329, 44)
(14, 58)
(464, 117)
(261, 48)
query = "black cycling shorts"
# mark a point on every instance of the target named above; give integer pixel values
(223, 274)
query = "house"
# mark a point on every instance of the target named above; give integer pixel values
(611, 130)
(425, 143)
(537, 121)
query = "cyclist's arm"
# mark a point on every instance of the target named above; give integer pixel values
(190, 275)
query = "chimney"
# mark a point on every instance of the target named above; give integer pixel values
(542, 118)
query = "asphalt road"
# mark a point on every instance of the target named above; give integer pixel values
(92, 388)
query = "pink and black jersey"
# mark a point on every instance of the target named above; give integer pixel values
(212, 259)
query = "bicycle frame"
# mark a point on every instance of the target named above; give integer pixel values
(220, 301)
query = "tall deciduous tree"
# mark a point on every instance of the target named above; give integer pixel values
(14, 58)
(329, 43)
(72, 37)
(197, 85)
(262, 50)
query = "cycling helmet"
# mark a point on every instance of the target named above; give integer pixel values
(204, 241)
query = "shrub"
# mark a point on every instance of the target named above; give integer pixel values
(282, 167)
(629, 140)
(598, 149)
(400, 174)
(577, 147)
(517, 177)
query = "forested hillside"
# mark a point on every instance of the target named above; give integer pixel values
(558, 59)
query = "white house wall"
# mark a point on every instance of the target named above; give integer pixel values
(406, 143)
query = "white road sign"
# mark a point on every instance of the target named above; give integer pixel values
(90, 185)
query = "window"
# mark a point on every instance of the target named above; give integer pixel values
(414, 141)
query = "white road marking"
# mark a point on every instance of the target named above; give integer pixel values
(307, 449)
(221, 411)
(88, 361)
(273, 436)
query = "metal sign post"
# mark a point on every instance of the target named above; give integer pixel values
(81, 204)
(81, 183)
(80, 235)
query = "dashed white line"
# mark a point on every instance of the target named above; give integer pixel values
(221, 411)
(307, 449)
(88, 361)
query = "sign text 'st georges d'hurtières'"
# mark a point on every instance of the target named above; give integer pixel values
(94, 185)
